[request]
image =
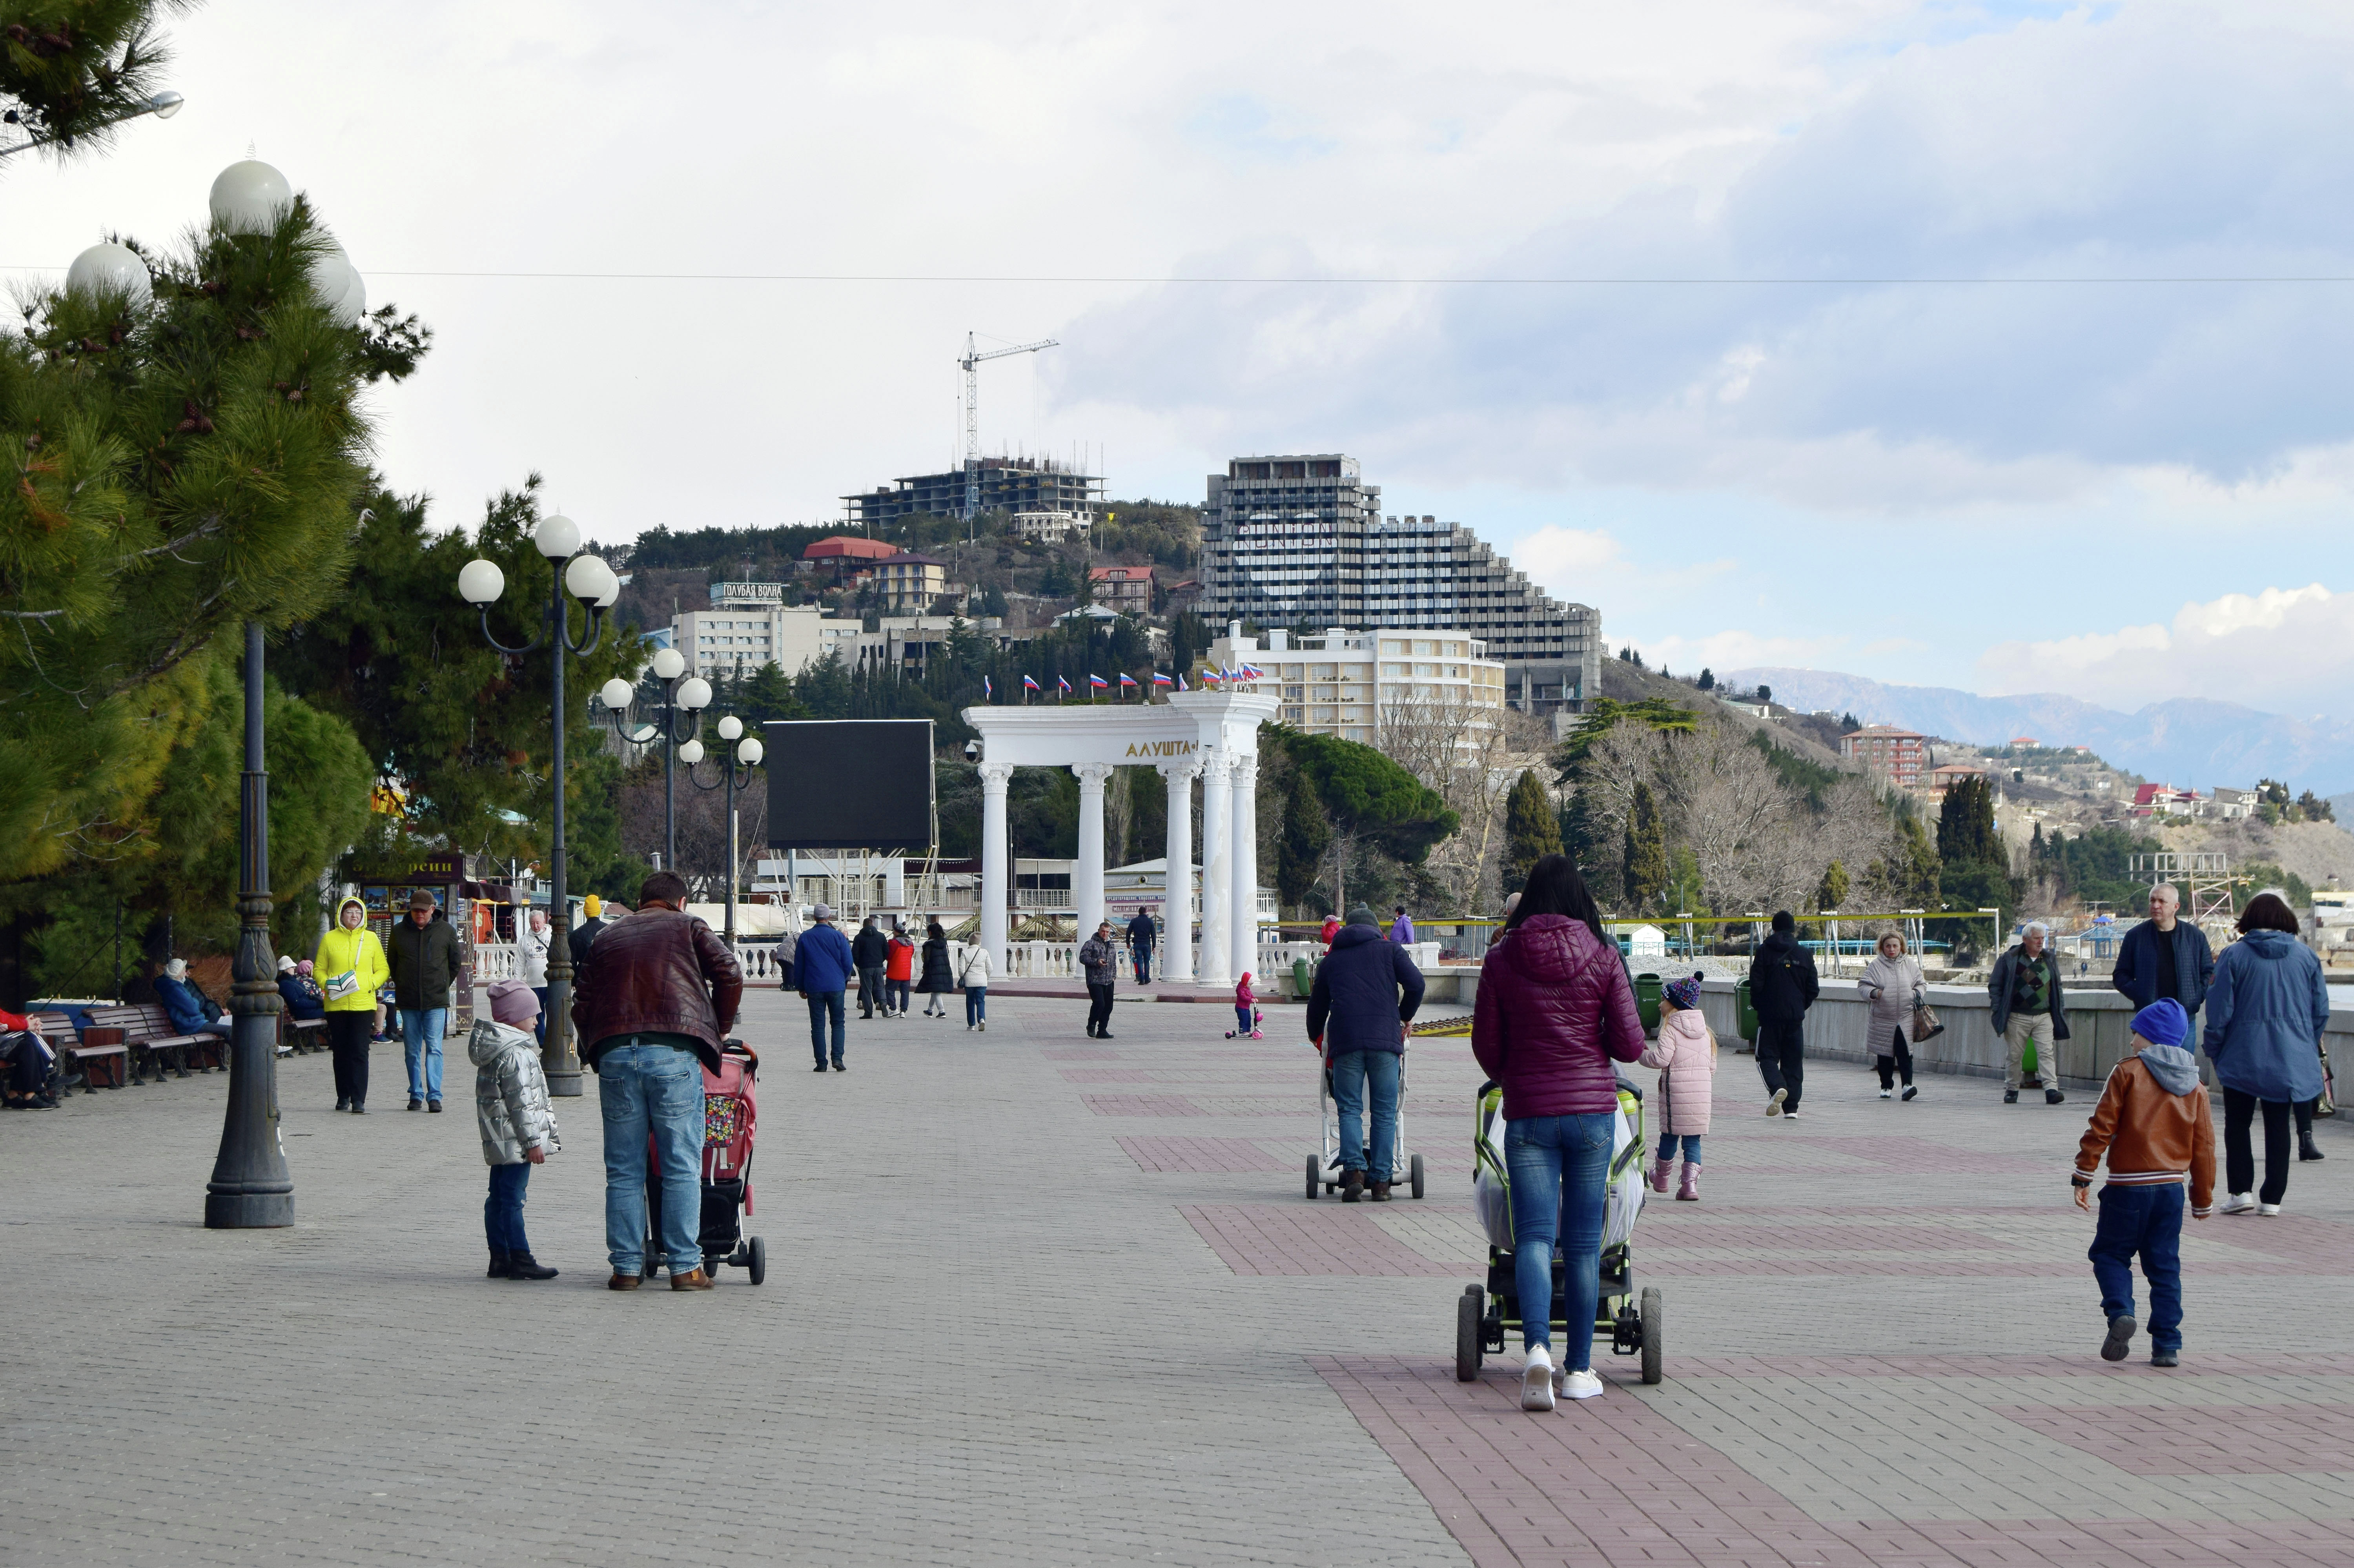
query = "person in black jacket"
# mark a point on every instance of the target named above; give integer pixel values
(2164, 956)
(1141, 933)
(934, 981)
(581, 938)
(1366, 991)
(1781, 986)
(868, 953)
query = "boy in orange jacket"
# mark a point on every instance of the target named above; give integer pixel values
(2154, 1124)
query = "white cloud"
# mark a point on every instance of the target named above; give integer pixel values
(1736, 649)
(2281, 650)
(1555, 556)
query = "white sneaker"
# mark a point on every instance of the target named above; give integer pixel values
(2237, 1203)
(1585, 1385)
(1888, 1094)
(1536, 1379)
(1774, 1106)
(984, 1026)
(2267, 1210)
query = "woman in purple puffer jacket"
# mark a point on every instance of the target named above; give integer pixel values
(1555, 1009)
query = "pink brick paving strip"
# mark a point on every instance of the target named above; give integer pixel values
(1079, 1053)
(1211, 1077)
(1142, 1105)
(1305, 1239)
(2200, 1439)
(1200, 1154)
(1610, 1481)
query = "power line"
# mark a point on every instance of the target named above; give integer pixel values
(1563, 281)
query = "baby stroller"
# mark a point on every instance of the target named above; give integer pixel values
(1325, 1171)
(728, 1117)
(1633, 1324)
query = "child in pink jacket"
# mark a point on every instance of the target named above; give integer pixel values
(1246, 1011)
(1686, 1054)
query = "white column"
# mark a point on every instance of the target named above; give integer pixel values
(1217, 870)
(993, 777)
(1244, 903)
(1177, 882)
(1087, 879)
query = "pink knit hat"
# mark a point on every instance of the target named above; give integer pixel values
(514, 1004)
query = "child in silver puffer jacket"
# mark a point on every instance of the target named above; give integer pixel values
(518, 1120)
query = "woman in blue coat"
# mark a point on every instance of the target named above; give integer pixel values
(2264, 1017)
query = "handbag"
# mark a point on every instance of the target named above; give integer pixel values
(2327, 1104)
(1926, 1025)
(343, 985)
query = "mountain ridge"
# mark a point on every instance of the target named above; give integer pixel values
(2188, 742)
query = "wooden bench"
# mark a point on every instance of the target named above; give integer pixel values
(302, 1034)
(103, 1063)
(148, 1031)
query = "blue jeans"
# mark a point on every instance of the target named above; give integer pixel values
(1559, 1166)
(651, 1091)
(2148, 1221)
(1690, 1140)
(539, 1025)
(976, 1003)
(897, 992)
(420, 1034)
(1355, 1075)
(503, 1209)
(1143, 957)
(825, 1004)
(1242, 1019)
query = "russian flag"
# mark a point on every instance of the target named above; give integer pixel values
(1098, 682)
(1029, 683)
(1063, 681)
(1180, 682)
(1158, 679)
(987, 695)
(1253, 673)
(1126, 679)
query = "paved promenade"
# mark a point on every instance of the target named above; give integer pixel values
(1035, 1300)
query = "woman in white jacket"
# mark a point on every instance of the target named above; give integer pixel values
(972, 973)
(1892, 984)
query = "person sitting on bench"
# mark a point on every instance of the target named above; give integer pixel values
(191, 1011)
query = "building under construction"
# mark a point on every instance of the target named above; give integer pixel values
(1007, 484)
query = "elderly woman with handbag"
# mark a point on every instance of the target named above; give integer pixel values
(1893, 985)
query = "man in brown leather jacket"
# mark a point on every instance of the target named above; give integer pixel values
(652, 1012)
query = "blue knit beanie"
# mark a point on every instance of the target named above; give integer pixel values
(1684, 993)
(2163, 1023)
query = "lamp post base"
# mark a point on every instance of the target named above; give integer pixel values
(248, 1211)
(566, 1085)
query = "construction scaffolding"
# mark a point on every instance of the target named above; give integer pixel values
(2202, 878)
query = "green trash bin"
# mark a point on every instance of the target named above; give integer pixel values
(1301, 979)
(1744, 1017)
(1646, 1001)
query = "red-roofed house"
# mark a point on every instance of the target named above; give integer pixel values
(1128, 589)
(1896, 754)
(2163, 801)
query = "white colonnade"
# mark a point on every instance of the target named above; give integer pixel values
(1210, 735)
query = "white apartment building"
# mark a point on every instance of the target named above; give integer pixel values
(1300, 541)
(1339, 681)
(750, 625)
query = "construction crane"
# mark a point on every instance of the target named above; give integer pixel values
(973, 355)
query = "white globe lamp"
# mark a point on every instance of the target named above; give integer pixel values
(481, 582)
(669, 663)
(730, 727)
(617, 694)
(748, 751)
(104, 269)
(691, 752)
(695, 694)
(248, 198)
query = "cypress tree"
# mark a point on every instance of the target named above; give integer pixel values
(1532, 830)
(1646, 851)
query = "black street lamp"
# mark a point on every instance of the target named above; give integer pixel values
(748, 751)
(589, 580)
(251, 1188)
(689, 696)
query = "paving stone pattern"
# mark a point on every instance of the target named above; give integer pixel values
(1014, 1315)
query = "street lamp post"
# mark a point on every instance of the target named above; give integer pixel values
(691, 696)
(251, 1188)
(748, 752)
(589, 580)
(162, 105)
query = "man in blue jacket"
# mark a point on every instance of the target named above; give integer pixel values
(2164, 956)
(1365, 991)
(821, 974)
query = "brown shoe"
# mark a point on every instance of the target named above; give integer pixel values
(1381, 1191)
(693, 1280)
(623, 1282)
(1352, 1186)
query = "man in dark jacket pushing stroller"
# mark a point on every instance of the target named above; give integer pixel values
(1367, 991)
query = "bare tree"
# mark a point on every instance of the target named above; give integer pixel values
(1469, 754)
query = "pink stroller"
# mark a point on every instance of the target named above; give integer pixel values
(729, 1116)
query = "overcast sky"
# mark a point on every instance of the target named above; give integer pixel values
(1895, 342)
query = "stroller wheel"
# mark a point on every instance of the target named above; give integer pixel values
(1468, 1350)
(759, 1264)
(1315, 1177)
(1415, 1178)
(1654, 1332)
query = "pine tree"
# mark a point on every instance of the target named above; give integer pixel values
(1830, 894)
(1306, 835)
(72, 73)
(1965, 828)
(1646, 851)
(1532, 830)
(1707, 681)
